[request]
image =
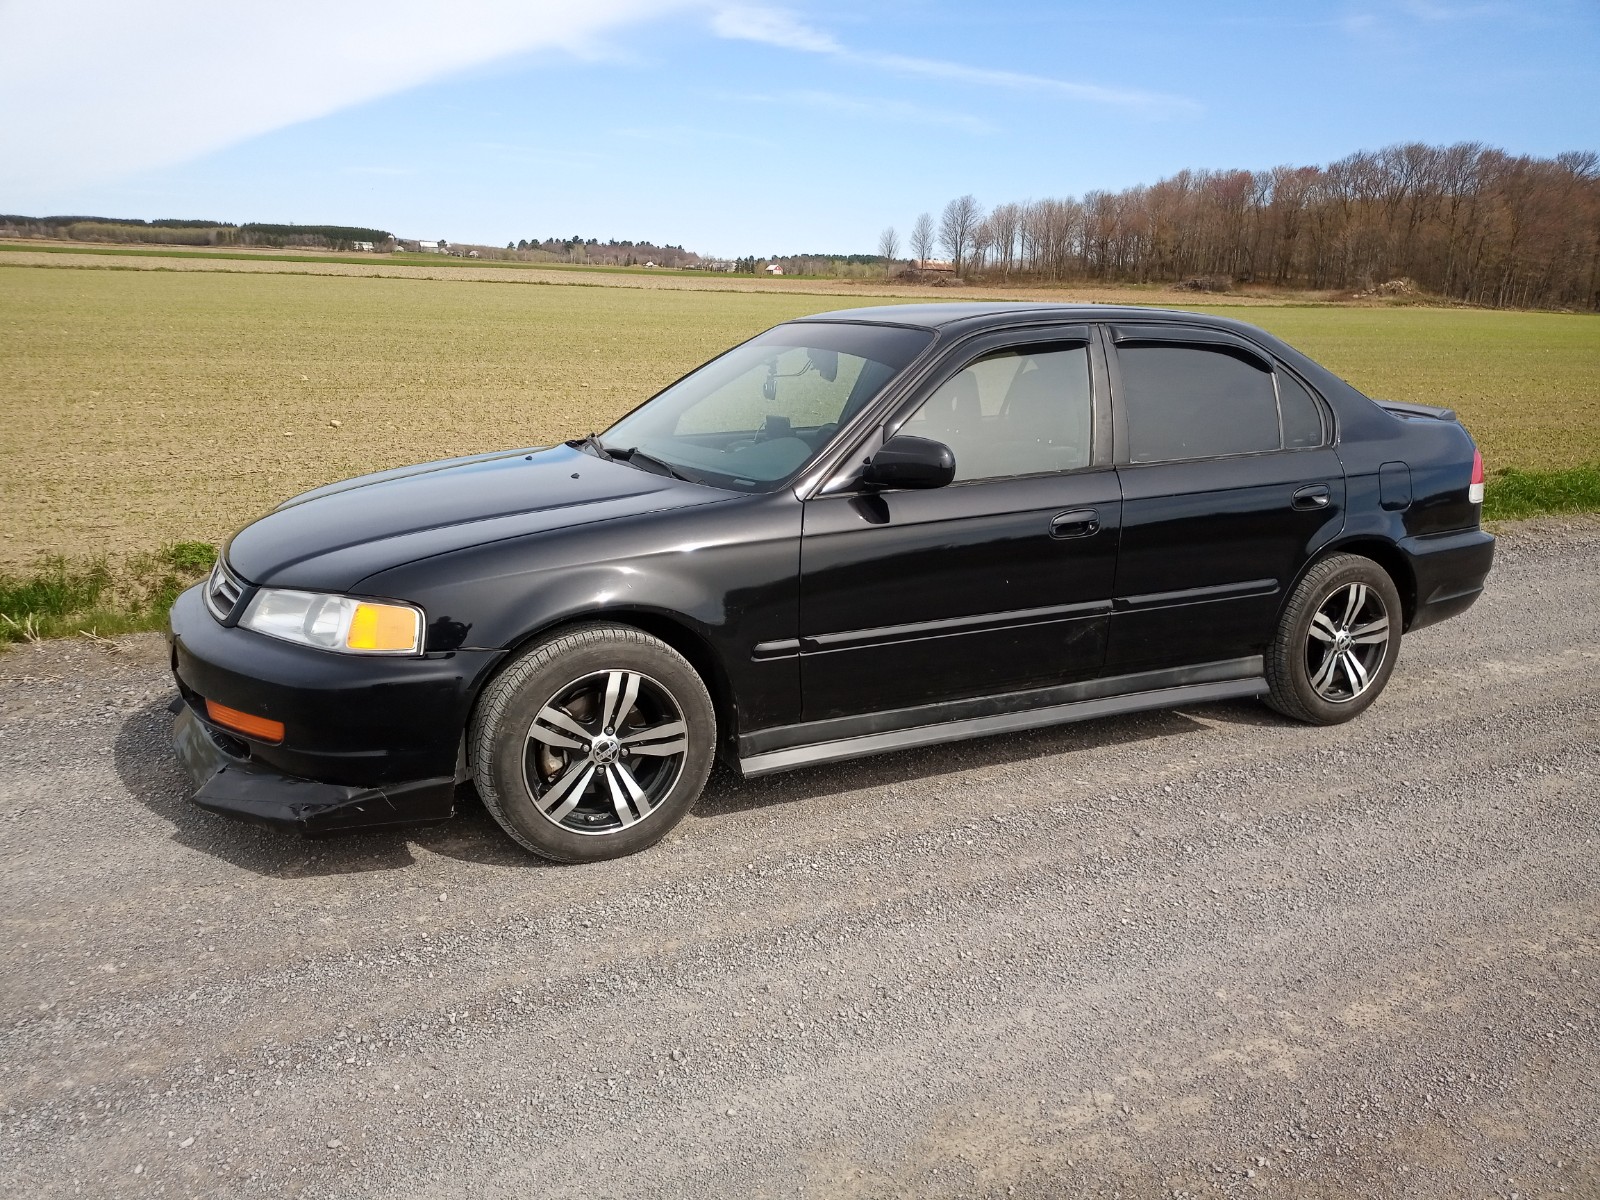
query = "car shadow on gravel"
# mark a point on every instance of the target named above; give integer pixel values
(149, 770)
(1247, 712)
(727, 793)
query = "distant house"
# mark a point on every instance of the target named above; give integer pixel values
(472, 254)
(774, 268)
(361, 246)
(934, 264)
(433, 247)
(651, 264)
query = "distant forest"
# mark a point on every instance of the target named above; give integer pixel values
(1465, 222)
(578, 249)
(177, 232)
(612, 253)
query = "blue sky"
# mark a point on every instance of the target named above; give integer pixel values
(742, 129)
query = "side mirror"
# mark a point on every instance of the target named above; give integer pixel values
(910, 462)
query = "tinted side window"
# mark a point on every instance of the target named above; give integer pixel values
(1195, 402)
(1302, 419)
(1023, 411)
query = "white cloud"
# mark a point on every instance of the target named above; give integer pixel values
(773, 26)
(1152, 102)
(1392, 23)
(113, 88)
(778, 27)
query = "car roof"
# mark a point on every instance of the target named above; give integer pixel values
(955, 321)
(977, 313)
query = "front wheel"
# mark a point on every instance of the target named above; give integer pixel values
(594, 744)
(1337, 641)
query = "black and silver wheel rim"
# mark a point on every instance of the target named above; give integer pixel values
(604, 752)
(1347, 642)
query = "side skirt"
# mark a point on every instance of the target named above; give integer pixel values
(1026, 713)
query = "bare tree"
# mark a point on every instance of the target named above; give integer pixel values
(956, 225)
(922, 239)
(1054, 235)
(1005, 224)
(1467, 221)
(983, 238)
(889, 244)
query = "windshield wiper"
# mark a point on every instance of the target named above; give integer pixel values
(630, 456)
(594, 443)
(634, 454)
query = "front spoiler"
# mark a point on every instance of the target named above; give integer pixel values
(236, 787)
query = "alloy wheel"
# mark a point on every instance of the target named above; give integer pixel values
(1346, 643)
(604, 751)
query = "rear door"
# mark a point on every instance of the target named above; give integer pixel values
(1230, 483)
(1000, 581)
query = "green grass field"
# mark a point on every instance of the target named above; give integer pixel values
(1526, 384)
(148, 408)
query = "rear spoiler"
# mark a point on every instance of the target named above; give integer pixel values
(1416, 411)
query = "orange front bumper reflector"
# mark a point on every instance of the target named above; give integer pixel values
(242, 722)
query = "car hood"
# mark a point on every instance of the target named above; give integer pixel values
(333, 537)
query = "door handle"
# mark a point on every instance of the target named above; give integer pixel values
(1312, 496)
(1077, 522)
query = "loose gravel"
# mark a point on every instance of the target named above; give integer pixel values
(1193, 953)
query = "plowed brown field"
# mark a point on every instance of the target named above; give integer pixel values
(144, 405)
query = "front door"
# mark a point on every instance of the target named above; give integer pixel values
(997, 583)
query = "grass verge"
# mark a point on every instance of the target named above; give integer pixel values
(58, 598)
(1513, 494)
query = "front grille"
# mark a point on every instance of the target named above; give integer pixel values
(223, 590)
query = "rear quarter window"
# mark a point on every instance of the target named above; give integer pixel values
(1302, 419)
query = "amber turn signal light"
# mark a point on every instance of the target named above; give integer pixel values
(242, 722)
(387, 627)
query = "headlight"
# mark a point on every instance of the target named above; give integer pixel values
(335, 622)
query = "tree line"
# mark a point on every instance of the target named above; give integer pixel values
(1466, 222)
(178, 232)
(612, 252)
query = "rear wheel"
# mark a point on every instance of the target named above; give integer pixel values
(594, 744)
(1337, 641)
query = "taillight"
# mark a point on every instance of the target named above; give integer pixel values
(1475, 491)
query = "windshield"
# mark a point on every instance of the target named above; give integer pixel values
(755, 416)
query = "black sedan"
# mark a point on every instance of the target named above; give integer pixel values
(861, 531)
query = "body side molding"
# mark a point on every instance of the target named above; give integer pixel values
(949, 626)
(854, 737)
(1199, 595)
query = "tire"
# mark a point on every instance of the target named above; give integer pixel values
(1337, 641)
(569, 784)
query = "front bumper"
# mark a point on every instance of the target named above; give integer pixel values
(232, 785)
(368, 741)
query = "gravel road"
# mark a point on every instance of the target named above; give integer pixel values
(1191, 953)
